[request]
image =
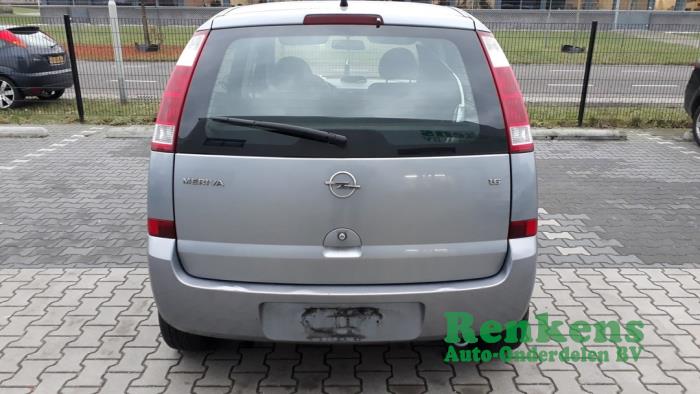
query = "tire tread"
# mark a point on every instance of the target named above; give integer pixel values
(694, 130)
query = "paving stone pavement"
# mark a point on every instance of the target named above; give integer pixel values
(77, 199)
(619, 240)
(96, 330)
(641, 195)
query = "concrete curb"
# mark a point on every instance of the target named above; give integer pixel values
(579, 134)
(129, 132)
(23, 132)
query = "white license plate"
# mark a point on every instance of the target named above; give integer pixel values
(56, 59)
(342, 322)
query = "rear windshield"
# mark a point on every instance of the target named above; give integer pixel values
(392, 91)
(35, 38)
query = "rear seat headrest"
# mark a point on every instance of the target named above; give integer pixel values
(398, 63)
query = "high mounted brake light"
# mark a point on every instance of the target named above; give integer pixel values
(168, 120)
(343, 19)
(515, 115)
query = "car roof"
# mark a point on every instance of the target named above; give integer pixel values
(393, 13)
(11, 27)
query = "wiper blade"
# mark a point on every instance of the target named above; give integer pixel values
(286, 129)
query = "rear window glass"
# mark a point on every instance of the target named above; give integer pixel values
(35, 38)
(392, 91)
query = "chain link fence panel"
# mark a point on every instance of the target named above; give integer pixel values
(637, 74)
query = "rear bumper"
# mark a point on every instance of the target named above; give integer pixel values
(233, 309)
(58, 79)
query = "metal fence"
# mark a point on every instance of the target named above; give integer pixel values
(635, 75)
(667, 5)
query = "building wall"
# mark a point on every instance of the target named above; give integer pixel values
(640, 5)
(662, 5)
(216, 3)
(187, 15)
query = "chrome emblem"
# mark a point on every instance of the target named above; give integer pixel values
(342, 184)
(203, 182)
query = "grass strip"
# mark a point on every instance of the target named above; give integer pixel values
(110, 112)
(611, 48)
(553, 115)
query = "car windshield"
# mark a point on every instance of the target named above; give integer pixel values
(400, 89)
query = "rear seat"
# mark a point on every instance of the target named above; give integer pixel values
(399, 68)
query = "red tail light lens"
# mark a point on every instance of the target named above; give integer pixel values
(161, 228)
(522, 229)
(515, 115)
(344, 19)
(11, 38)
(165, 132)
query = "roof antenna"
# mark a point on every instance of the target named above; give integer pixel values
(343, 3)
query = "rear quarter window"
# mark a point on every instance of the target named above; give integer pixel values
(393, 91)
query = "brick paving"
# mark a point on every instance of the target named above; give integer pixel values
(619, 240)
(642, 196)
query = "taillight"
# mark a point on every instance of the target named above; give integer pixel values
(515, 115)
(161, 228)
(11, 38)
(165, 132)
(522, 228)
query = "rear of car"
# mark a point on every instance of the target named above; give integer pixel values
(31, 64)
(692, 100)
(325, 174)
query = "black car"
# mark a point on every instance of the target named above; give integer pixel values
(692, 101)
(31, 64)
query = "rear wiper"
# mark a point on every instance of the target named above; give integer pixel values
(286, 129)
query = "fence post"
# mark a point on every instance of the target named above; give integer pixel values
(74, 68)
(117, 46)
(587, 72)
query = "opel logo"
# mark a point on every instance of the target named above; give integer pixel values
(342, 184)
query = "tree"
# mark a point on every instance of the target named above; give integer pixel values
(144, 21)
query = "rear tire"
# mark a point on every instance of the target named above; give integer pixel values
(10, 95)
(181, 340)
(51, 94)
(696, 126)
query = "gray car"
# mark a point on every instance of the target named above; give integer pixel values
(31, 64)
(331, 173)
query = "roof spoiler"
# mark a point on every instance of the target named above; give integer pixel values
(23, 29)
